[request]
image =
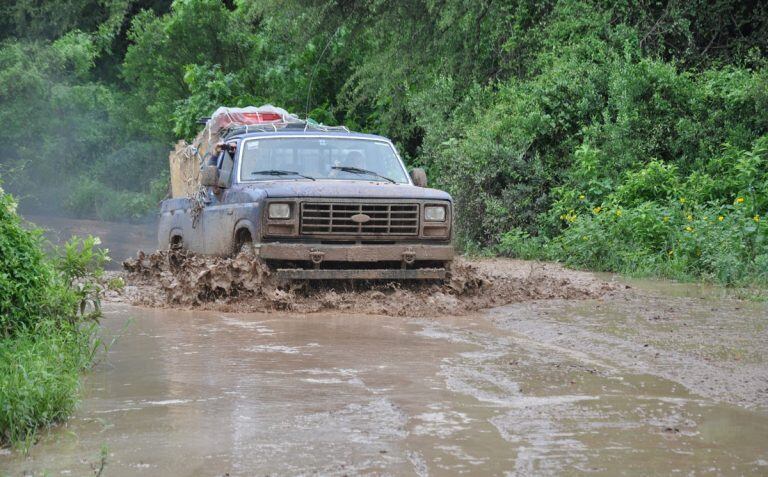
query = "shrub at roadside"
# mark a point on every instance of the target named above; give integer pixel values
(707, 224)
(47, 332)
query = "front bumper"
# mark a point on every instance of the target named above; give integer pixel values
(318, 253)
(371, 274)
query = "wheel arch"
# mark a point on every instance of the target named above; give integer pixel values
(176, 238)
(244, 231)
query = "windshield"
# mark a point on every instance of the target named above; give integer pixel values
(302, 158)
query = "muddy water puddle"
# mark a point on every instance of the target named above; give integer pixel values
(203, 393)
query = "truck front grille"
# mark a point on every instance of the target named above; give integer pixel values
(336, 218)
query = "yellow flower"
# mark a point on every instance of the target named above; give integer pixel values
(618, 213)
(739, 200)
(720, 218)
(689, 229)
(666, 218)
(585, 237)
(597, 210)
(682, 200)
(756, 218)
(690, 217)
(581, 197)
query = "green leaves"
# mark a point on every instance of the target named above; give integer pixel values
(697, 227)
(44, 339)
(34, 288)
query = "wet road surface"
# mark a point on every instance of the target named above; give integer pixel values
(201, 393)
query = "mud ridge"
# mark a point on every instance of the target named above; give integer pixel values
(243, 283)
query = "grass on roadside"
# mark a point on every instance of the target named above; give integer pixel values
(40, 377)
(48, 312)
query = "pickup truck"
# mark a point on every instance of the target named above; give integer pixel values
(314, 203)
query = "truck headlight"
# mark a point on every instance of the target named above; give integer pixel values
(434, 213)
(279, 211)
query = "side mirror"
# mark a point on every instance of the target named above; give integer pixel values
(419, 177)
(209, 176)
(225, 171)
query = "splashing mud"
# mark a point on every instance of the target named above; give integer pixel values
(243, 283)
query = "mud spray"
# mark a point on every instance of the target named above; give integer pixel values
(243, 283)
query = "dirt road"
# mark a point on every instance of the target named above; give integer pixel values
(535, 388)
(577, 374)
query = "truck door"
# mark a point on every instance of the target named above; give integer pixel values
(219, 217)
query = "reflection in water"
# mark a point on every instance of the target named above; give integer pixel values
(186, 393)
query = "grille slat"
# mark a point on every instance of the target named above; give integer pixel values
(330, 218)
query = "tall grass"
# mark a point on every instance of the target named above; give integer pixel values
(40, 378)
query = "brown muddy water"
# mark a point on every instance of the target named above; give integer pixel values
(664, 379)
(204, 393)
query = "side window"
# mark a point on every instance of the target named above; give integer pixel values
(214, 160)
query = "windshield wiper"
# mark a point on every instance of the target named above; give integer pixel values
(275, 172)
(357, 170)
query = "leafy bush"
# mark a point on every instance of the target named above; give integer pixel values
(30, 288)
(657, 221)
(47, 308)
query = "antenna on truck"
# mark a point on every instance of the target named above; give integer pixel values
(314, 70)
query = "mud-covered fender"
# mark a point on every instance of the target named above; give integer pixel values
(246, 224)
(221, 222)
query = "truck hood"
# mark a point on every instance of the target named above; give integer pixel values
(347, 189)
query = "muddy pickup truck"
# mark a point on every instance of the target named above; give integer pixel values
(314, 203)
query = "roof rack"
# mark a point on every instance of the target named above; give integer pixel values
(303, 125)
(310, 125)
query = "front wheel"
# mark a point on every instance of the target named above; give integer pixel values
(243, 241)
(177, 243)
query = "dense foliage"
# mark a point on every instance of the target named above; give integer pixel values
(611, 135)
(46, 327)
(68, 140)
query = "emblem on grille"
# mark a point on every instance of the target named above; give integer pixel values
(360, 218)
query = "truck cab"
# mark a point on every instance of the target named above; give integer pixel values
(314, 203)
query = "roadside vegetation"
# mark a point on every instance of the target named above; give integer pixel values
(620, 136)
(48, 336)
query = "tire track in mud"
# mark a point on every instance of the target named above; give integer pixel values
(712, 353)
(530, 423)
(559, 409)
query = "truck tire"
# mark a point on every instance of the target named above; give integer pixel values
(242, 240)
